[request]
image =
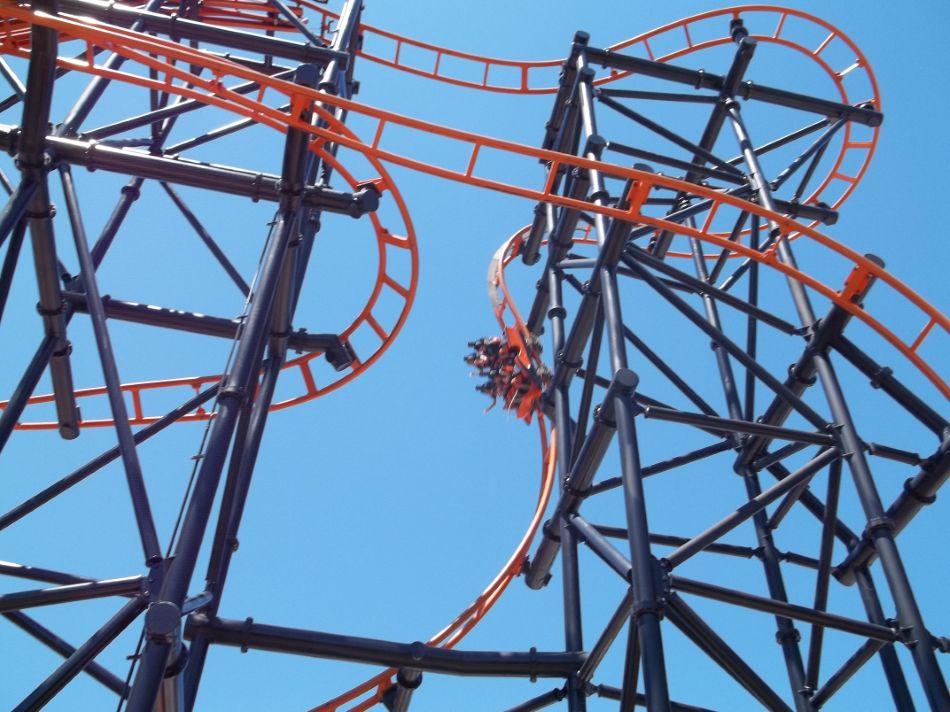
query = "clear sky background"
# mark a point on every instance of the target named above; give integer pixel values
(384, 508)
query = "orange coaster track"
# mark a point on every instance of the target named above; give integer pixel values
(165, 58)
(536, 77)
(168, 62)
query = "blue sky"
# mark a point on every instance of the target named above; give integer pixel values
(383, 508)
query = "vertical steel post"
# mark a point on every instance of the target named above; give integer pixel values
(881, 530)
(730, 390)
(238, 387)
(407, 682)
(893, 671)
(880, 527)
(33, 163)
(647, 611)
(824, 571)
(573, 630)
(130, 460)
(232, 509)
(752, 325)
(787, 636)
(287, 294)
(740, 62)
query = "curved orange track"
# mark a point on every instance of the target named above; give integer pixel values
(166, 57)
(539, 76)
(162, 55)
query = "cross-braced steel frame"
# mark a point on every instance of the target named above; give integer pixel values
(640, 270)
(598, 336)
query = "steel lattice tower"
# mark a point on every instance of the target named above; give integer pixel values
(721, 428)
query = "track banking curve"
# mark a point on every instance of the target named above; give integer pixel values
(161, 56)
(133, 45)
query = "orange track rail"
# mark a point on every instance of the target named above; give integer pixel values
(539, 77)
(370, 692)
(365, 320)
(680, 34)
(166, 58)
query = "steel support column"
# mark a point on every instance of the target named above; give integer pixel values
(647, 606)
(83, 655)
(880, 527)
(33, 161)
(237, 389)
(130, 460)
(249, 634)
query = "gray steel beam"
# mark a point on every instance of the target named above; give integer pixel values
(178, 29)
(238, 392)
(407, 682)
(883, 378)
(647, 611)
(35, 573)
(918, 492)
(25, 386)
(10, 260)
(561, 133)
(619, 619)
(540, 702)
(206, 238)
(163, 317)
(71, 592)
(605, 551)
(701, 79)
(706, 639)
(609, 692)
(880, 528)
(737, 352)
(663, 466)
(733, 425)
(576, 482)
(787, 610)
(97, 463)
(83, 655)
(336, 78)
(54, 642)
(258, 636)
(893, 672)
(130, 461)
(570, 591)
(838, 678)
(748, 509)
(15, 207)
(183, 171)
(33, 161)
(173, 110)
(822, 580)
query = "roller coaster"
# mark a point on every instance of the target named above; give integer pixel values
(739, 416)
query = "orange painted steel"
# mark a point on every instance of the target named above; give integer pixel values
(239, 14)
(162, 56)
(370, 692)
(243, 13)
(675, 34)
(509, 319)
(384, 282)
